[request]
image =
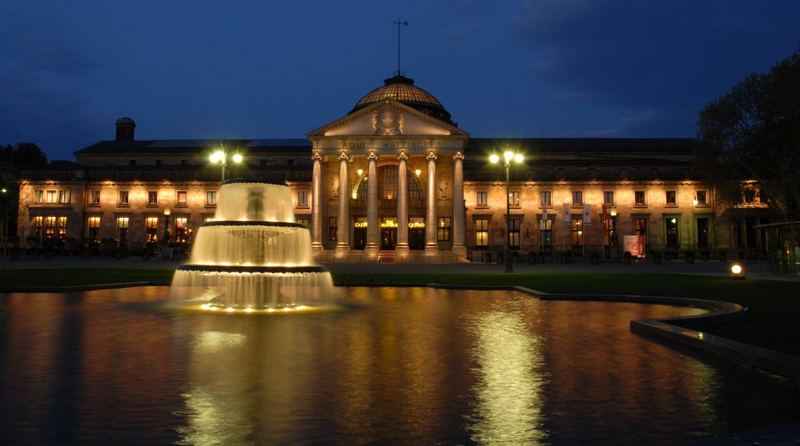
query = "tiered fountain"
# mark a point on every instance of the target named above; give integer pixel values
(253, 256)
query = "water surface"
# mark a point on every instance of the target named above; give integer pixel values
(404, 366)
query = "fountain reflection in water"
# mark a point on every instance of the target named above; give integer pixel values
(253, 256)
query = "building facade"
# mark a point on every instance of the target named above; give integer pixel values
(396, 179)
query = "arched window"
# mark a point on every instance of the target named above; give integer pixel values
(387, 187)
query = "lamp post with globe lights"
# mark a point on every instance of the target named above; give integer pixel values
(4, 193)
(508, 157)
(221, 156)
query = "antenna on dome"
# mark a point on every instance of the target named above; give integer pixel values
(399, 24)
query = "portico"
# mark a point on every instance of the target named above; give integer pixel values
(387, 177)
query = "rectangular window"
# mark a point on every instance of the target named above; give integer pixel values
(211, 198)
(482, 232)
(482, 198)
(546, 198)
(672, 198)
(546, 232)
(577, 231)
(181, 229)
(93, 223)
(332, 228)
(49, 227)
(701, 198)
(52, 196)
(122, 228)
(181, 198)
(38, 196)
(608, 198)
(640, 227)
(513, 198)
(443, 229)
(639, 199)
(61, 227)
(514, 225)
(577, 198)
(749, 194)
(37, 226)
(152, 198)
(151, 229)
(702, 233)
(94, 198)
(63, 196)
(302, 198)
(122, 200)
(671, 229)
(610, 231)
(303, 220)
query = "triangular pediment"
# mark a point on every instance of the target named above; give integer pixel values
(388, 118)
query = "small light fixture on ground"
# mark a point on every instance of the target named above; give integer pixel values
(737, 271)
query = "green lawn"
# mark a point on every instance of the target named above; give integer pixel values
(775, 306)
(54, 277)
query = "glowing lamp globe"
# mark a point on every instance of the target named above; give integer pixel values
(217, 157)
(493, 158)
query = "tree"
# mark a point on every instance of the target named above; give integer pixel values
(753, 132)
(13, 160)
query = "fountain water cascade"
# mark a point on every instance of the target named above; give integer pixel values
(253, 256)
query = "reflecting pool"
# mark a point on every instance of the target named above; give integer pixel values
(398, 366)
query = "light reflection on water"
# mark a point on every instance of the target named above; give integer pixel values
(405, 365)
(509, 381)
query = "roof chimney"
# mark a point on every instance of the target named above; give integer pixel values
(125, 127)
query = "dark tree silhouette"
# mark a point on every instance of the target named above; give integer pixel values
(753, 132)
(13, 160)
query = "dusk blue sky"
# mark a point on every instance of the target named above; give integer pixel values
(263, 69)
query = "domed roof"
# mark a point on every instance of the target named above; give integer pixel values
(402, 89)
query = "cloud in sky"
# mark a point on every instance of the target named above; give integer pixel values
(666, 59)
(202, 69)
(45, 80)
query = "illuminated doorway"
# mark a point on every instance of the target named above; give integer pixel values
(416, 233)
(388, 233)
(360, 233)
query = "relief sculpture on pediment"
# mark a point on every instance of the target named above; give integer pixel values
(387, 121)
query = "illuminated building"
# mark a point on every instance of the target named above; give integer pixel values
(397, 179)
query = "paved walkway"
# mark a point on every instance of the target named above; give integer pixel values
(711, 268)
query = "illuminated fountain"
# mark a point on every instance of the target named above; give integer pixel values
(253, 256)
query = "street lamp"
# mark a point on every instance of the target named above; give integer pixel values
(508, 158)
(4, 192)
(220, 156)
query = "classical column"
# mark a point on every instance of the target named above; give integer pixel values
(459, 225)
(343, 220)
(372, 204)
(316, 203)
(402, 205)
(431, 245)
